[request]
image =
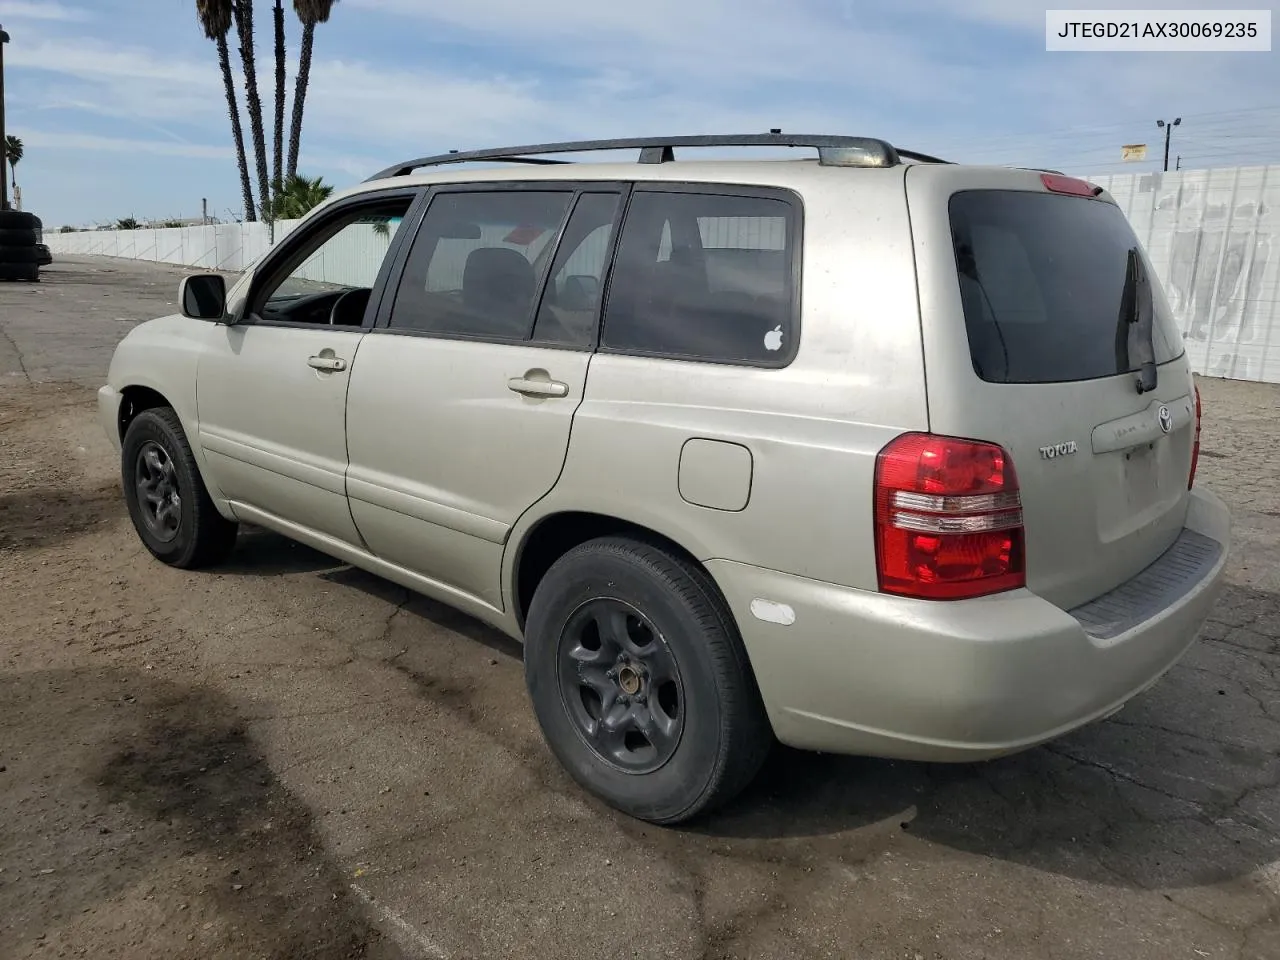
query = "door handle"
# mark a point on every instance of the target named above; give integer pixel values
(327, 363)
(538, 388)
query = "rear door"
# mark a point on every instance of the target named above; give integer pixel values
(1028, 317)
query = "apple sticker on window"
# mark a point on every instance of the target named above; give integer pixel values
(773, 339)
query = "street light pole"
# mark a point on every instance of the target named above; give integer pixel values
(4, 153)
(1168, 133)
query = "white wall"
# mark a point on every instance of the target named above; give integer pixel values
(224, 246)
(351, 257)
(1213, 237)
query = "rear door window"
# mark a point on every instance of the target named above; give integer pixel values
(571, 301)
(1042, 280)
(702, 276)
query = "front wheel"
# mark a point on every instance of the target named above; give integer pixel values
(640, 682)
(168, 503)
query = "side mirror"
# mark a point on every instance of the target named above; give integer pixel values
(203, 296)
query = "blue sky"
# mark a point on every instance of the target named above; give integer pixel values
(122, 112)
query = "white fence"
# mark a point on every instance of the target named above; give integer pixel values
(224, 246)
(1213, 237)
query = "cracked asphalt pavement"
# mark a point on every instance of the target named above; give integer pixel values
(287, 757)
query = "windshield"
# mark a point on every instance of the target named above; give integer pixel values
(1043, 283)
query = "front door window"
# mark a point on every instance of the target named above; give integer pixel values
(328, 278)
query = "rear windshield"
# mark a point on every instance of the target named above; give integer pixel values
(1042, 279)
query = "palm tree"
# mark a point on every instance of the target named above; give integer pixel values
(277, 173)
(310, 12)
(215, 18)
(297, 196)
(13, 153)
(243, 13)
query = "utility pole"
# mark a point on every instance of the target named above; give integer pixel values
(1168, 133)
(4, 154)
(1178, 165)
(204, 210)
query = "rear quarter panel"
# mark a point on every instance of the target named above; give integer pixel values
(813, 428)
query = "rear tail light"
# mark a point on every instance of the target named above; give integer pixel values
(948, 519)
(1195, 446)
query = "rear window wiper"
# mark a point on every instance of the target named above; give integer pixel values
(1135, 328)
(967, 265)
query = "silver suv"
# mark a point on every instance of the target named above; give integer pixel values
(865, 453)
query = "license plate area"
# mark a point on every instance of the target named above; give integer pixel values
(1133, 489)
(1142, 470)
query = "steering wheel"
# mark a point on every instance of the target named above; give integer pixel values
(347, 301)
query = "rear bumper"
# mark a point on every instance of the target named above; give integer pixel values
(866, 673)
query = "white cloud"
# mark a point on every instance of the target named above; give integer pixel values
(357, 109)
(97, 60)
(576, 69)
(19, 10)
(726, 47)
(368, 104)
(858, 66)
(88, 143)
(122, 81)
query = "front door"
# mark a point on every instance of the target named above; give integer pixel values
(271, 388)
(460, 409)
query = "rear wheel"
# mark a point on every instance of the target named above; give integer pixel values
(168, 503)
(640, 682)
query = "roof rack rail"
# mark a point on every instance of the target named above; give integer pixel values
(832, 150)
(921, 157)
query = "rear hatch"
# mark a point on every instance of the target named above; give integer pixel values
(1046, 331)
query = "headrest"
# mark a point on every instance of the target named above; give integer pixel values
(579, 293)
(497, 274)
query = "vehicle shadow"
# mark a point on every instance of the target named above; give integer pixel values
(1180, 789)
(439, 615)
(264, 553)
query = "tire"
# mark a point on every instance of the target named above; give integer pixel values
(25, 237)
(27, 254)
(707, 734)
(20, 271)
(18, 220)
(155, 454)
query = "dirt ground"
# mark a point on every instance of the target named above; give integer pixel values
(288, 758)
